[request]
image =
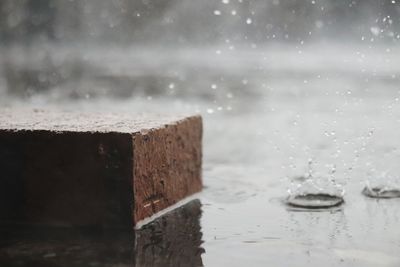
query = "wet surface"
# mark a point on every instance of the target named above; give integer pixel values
(265, 117)
(173, 240)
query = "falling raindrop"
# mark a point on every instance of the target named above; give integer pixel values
(217, 12)
(210, 111)
(375, 30)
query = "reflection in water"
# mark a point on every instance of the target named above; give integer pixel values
(172, 240)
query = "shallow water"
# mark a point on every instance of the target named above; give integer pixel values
(265, 117)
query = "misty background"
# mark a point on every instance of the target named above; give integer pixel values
(149, 48)
(197, 23)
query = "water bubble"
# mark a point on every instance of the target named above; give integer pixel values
(233, 12)
(225, 2)
(214, 86)
(249, 21)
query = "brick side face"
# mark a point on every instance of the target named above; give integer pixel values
(175, 152)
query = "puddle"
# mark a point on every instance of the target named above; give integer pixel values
(381, 192)
(314, 201)
(174, 239)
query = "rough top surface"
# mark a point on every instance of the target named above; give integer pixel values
(62, 121)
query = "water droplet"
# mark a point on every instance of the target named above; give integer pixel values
(217, 12)
(249, 21)
(375, 30)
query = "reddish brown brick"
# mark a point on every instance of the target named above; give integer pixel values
(95, 169)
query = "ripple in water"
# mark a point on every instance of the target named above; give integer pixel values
(381, 192)
(315, 201)
(320, 192)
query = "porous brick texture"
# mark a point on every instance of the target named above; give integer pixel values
(68, 168)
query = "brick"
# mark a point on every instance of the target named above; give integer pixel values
(61, 168)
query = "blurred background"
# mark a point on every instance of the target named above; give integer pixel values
(287, 89)
(123, 48)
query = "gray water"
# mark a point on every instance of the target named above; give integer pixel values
(268, 112)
